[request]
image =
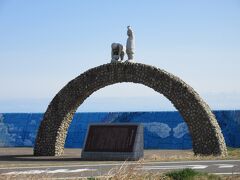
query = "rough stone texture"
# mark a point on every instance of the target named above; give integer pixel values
(204, 129)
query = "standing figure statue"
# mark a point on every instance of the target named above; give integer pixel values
(130, 44)
(117, 52)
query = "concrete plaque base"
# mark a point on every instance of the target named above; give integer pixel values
(113, 142)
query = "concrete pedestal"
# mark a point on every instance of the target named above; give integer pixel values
(113, 142)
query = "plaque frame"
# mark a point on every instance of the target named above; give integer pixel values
(133, 154)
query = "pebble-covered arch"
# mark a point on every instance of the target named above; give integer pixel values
(206, 134)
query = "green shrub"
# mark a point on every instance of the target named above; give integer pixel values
(184, 174)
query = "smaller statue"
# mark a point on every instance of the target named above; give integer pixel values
(130, 44)
(117, 52)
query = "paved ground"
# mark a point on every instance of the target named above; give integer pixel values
(13, 156)
(20, 162)
(226, 167)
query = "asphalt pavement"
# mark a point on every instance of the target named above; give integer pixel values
(225, 167)
(20, 162)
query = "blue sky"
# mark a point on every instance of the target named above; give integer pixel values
(44, 44)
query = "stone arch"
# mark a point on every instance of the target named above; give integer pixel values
(206, 134)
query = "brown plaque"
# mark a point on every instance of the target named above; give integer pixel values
(111, 138)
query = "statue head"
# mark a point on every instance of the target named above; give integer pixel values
(129, 31)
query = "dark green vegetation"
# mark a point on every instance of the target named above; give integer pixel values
(189, 174)
(182, 174)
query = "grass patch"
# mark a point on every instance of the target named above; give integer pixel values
(128, 173)
(190, 174)
(182, 174)
(234, 152)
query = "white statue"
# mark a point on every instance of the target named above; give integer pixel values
(117, 52)
(130, 44)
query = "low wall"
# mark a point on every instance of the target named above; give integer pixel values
(162, 130)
